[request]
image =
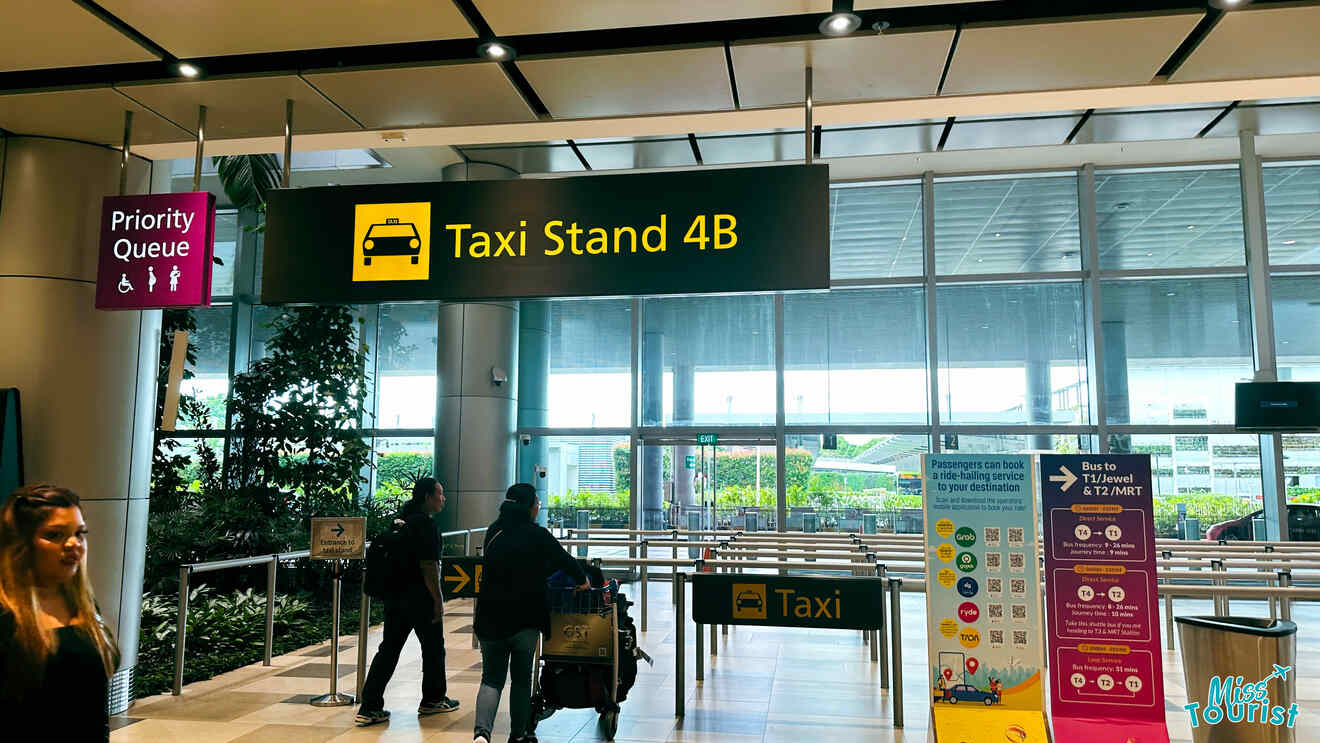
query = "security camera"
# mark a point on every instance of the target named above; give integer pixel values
(524, 439)
(498, 376)
(539, 470)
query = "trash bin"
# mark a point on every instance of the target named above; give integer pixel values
(1228, 647)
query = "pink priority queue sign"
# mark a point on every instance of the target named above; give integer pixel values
(155, 251)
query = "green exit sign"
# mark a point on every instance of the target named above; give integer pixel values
(707, 439)
(690, 461)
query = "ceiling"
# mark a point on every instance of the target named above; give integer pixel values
(366, 68)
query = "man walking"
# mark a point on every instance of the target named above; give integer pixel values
(418, 607)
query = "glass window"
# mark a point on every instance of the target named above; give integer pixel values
(1012, 353)
(876, 474)
(855, 356)
(399, 462)
(584, 473)
(1169, 219)
(1217, 478)
(708, 360)
(1297, 327)
(226, 249)
(406, 365)
(1006, 225)
(1292, 214)
(875, 231)
(1301, 467)
(590, 370)
(734, 483)
(961, 443)
(210, 375)
(1174, 349)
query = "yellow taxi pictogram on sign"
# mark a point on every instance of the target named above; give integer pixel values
(392, 242)
(944, 527)
(749, 601)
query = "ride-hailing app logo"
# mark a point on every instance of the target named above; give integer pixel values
(749, 601)
(392, 242)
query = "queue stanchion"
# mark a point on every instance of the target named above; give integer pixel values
(1285, 603)
(680, 642)
(364, 629)
(896, 642)
(642, 598)
(475, 643)
(1168, 607)
(334, 698)
(882, 578)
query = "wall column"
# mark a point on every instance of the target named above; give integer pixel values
(653, 392)
(475, 416)
(87, 378)
(1117, 403)
(684, 407)
(534, 392)
(1039, 393)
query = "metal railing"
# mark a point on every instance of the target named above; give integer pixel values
(187, 570)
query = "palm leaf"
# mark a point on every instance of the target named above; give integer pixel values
(248, 178)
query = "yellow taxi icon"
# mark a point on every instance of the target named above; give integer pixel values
(392, 238)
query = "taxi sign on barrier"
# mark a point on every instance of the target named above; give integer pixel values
(796, 601)
(460, 577)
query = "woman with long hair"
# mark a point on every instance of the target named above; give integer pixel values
(56, 654)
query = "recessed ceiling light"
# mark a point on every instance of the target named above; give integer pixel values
(842, 21)
(187, 69)
(980, 260)
(1229, 4)
(1171, 294)
(996, 234)
(1289, 242)
(496, 51)
(1191, 226)
(1150, 255)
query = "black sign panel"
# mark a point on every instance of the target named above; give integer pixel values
(460, 577)
(772, 601)
(709, 231)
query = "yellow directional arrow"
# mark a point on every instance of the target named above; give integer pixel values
(462, 578)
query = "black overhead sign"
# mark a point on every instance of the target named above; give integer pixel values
(772, 601)
(709, 231)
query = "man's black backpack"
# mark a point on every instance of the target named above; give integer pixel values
(388, 562)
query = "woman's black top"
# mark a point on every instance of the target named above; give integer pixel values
(71, 695)
(518, 557)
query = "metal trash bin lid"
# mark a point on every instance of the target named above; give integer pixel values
(1256, 626)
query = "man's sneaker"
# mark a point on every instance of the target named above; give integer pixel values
(529, 738)
(370, 717)
(481, 739)
(435, 708)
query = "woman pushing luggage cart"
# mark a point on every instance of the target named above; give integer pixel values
(590, 658)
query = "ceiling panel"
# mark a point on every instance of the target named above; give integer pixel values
(204, 29)
(72, 38)
(675, 81)
(881, 140)
(243, 107)
(637, 153)
(1010, 131)
(752, 147)
(1135, 125)
(544, 157)
(1270, 117)
(772, 74)
(91, 115)
(442, 95)
(1257, 42)
(1074, 54)
(513, 17)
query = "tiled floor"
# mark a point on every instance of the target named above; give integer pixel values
(764, 686)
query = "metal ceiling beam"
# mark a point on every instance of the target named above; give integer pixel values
(577, 43)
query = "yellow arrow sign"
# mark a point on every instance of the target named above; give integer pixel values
(461, 579)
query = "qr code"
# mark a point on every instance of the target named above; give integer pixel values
(1017, 562)
(994, 561)
(1020, 613)
(994, 586)
(1019, 638)
(996, 638)
(1018, 587)
(1016, 538)
(992, 536)
(995, 612)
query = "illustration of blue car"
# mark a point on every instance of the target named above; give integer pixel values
(969, 693)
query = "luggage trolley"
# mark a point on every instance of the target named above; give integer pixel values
(590, 658)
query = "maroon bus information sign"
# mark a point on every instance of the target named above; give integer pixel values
(155, 251)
